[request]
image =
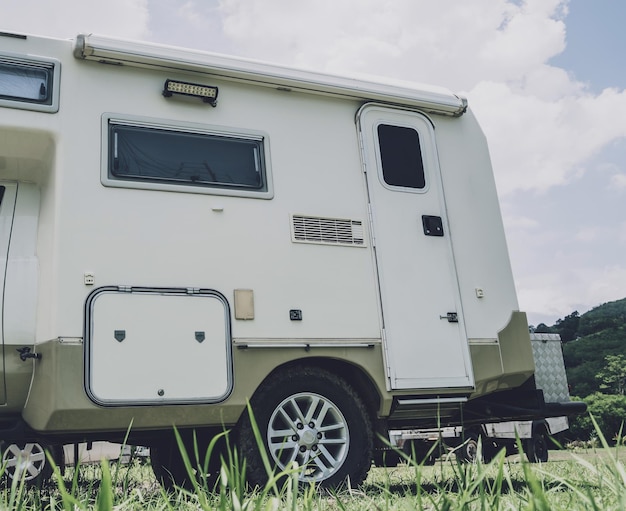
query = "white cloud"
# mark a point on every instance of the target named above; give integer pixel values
(556, 294)
(621, 235)
(67, 18)
(618, 181)
(520, 222)
(447, 42)
(590, 234)
(538, 143)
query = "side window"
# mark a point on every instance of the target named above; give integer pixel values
(29, 84)
(401, 156)
(192, 160)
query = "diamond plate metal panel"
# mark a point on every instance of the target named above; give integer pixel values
(549, 367)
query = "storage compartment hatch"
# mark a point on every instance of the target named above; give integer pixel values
(150, 346)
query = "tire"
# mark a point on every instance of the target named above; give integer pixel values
(474, 445)
(168, 465)
(536, 447)
(28, 461)
(312, 417)
(468, 450)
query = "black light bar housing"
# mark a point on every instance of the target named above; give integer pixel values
(207, 93)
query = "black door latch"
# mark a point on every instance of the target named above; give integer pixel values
(451, 317)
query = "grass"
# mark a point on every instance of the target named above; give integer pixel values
(591, 478)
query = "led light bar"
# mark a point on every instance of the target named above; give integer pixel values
(206, 93)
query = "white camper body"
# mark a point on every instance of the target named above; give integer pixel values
(182, 232)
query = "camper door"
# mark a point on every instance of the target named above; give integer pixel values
(424, 334)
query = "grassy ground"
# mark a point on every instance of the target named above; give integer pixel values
(585, 479)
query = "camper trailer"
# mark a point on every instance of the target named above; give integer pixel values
(187, 239)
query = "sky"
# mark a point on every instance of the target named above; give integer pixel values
(546, 79)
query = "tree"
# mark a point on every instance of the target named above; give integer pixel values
(567, 327)
(542, 328)
(611, 315)
(613, 374)
(609, 412)
(586, 357)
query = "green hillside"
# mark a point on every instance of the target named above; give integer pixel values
(587, 342)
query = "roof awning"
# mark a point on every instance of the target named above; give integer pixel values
(116, 51)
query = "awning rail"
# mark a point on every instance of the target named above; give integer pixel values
(121, 52)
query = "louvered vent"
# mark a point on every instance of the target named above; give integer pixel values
(327, 231)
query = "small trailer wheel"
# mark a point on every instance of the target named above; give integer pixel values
(468, 450)
(536, 447)
(476, 445)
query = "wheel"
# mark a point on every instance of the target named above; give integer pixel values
(311, 417)
(474, 446)
(29, 462)
(168, 465)
(468, 450)
(536, 447)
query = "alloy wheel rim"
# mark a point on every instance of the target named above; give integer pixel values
(27, 462)
(308, 430)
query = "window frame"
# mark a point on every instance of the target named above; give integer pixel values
(54, 68)
(108, 180)
(422, 140)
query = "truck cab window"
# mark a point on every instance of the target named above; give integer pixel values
(401, 156)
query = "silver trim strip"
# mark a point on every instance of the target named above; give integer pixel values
(305, 345)
(428, 401)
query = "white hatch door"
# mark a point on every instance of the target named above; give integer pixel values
(157, 346)
(426, 345)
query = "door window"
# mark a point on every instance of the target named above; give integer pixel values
(401, 156)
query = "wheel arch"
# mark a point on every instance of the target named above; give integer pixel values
(356, 376)
(337, 386)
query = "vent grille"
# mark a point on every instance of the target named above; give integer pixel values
(327, 231)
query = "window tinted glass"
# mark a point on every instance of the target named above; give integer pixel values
(24, 82)
(140, 153)
(401, 156)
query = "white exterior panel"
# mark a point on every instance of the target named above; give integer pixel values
(22, 271)
(478, 238)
